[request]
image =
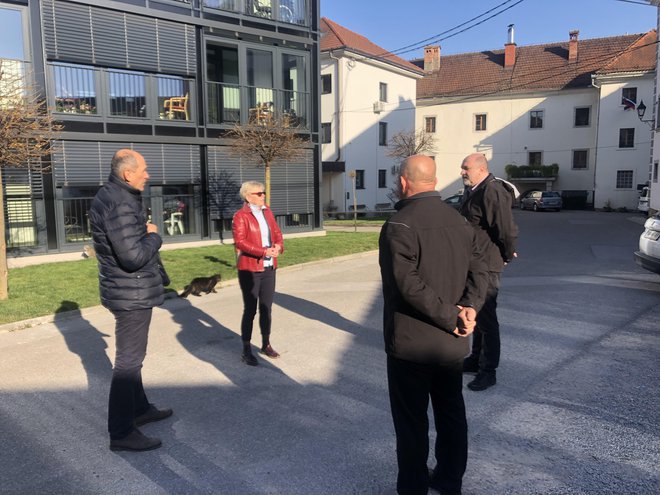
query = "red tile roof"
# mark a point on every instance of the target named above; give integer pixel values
(336, 37)
(539, 67)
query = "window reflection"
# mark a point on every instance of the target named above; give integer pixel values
(127, 94)
(173, 98)
(11, 34)
(75, 89)
(178, 210)
(224, 96)
(260, 84)
(294, 83)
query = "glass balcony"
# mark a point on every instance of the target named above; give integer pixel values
(289, 11)
(224, 103)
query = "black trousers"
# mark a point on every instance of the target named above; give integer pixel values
(410, 386)
(486, 337)
(258, 289)
(127, 397)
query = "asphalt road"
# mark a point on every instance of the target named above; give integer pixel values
(576, 409)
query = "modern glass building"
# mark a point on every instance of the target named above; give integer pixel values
(166, 78)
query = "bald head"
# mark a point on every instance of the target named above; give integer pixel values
(130, 167)
(417, 175)
(474, 169)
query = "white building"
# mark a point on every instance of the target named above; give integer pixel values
(654, 120)
(570, 103)
(367, 96)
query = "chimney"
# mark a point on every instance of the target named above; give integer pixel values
(510, 49)
(573, 45)
(431, 58)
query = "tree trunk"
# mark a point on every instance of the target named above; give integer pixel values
(4, 273)
(267, 181)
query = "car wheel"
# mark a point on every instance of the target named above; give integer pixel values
(535, 207)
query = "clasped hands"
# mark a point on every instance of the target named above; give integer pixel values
(467, 320)
(274, 251)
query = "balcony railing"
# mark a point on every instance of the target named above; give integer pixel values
(224, 104)
(289, 11)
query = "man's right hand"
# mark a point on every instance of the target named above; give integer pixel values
(467, 320)
(152, 228)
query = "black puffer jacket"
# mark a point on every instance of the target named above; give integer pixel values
(488, 209)
(429, 263)
(129, 277)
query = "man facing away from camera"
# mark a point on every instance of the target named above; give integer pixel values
(434, 277)
(130, 285)
(487, 203)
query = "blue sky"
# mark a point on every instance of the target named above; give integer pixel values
(395, 24)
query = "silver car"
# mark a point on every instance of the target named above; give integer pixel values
(648, 255)
(541, 200)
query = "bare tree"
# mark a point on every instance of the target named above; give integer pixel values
(223, 197)
(26, 134)
(404, 144)
(267, 140)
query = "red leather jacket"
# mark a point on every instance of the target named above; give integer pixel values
(247, 239)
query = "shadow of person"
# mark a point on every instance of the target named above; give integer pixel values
(208, 340)
(83, 339)
(213, 259)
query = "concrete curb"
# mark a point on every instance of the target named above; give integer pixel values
(93, 310)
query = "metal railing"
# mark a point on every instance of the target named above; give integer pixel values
(289, 11)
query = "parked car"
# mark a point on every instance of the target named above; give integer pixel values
(643, 203)
(648, 255)
(454, 201)
(541, 200)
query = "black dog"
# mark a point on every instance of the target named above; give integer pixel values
(201, 284)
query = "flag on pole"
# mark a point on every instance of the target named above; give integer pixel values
(628, 104)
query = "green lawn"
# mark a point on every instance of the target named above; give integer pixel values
(361, 222)
(40, 290)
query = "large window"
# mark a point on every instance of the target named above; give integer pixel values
(382, 92)
(382, 133)
(582, 116)
(624, 179)
(173, 98)
(429, 124)
(627, 137)
(12, 41)
(127, 94)
(580, 159)
(294, 85)
(75, 89)
(536, 119)
(179, 210)
(535, 158)
(480, 122)
(260, 82)
(224, 92)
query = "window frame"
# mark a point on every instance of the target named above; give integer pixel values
(480, 119)
(620, 178)
(382, 133)
(326, 132)
(586, 160)
(326, 89)
(382, 92)
(626, 138)
(430, 120)
(575, 111)
(382, 178)
(529, 154)
(627, 92)
(533, 118)
(359, 179)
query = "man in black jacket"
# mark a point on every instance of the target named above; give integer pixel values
(487, 203)
(433, 277)
(130, 285)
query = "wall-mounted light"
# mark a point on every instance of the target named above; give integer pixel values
(641, 110)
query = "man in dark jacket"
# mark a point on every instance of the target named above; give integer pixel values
(131, 285)
(433, 282)
(487, 205)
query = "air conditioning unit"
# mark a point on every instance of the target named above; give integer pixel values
(379, 106)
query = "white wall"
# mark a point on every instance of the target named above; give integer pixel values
(654, 202)
(351, 110)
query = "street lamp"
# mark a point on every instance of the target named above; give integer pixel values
(641, 110)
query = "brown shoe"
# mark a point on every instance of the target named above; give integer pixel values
(270, 352)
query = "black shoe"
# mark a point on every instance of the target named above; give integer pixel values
(270, 352)
(136, 442)
(483, 380)
(249, 359)
(152, 415)
(471, 364)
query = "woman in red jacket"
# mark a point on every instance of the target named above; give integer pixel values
(258, 242)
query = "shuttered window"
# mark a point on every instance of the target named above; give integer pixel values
(292, 182)
(83, 33)
(88, 163)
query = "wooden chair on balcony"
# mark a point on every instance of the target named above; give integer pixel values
(261, 113)
(177, 104)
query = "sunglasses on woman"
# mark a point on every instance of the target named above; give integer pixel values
(260, 193)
